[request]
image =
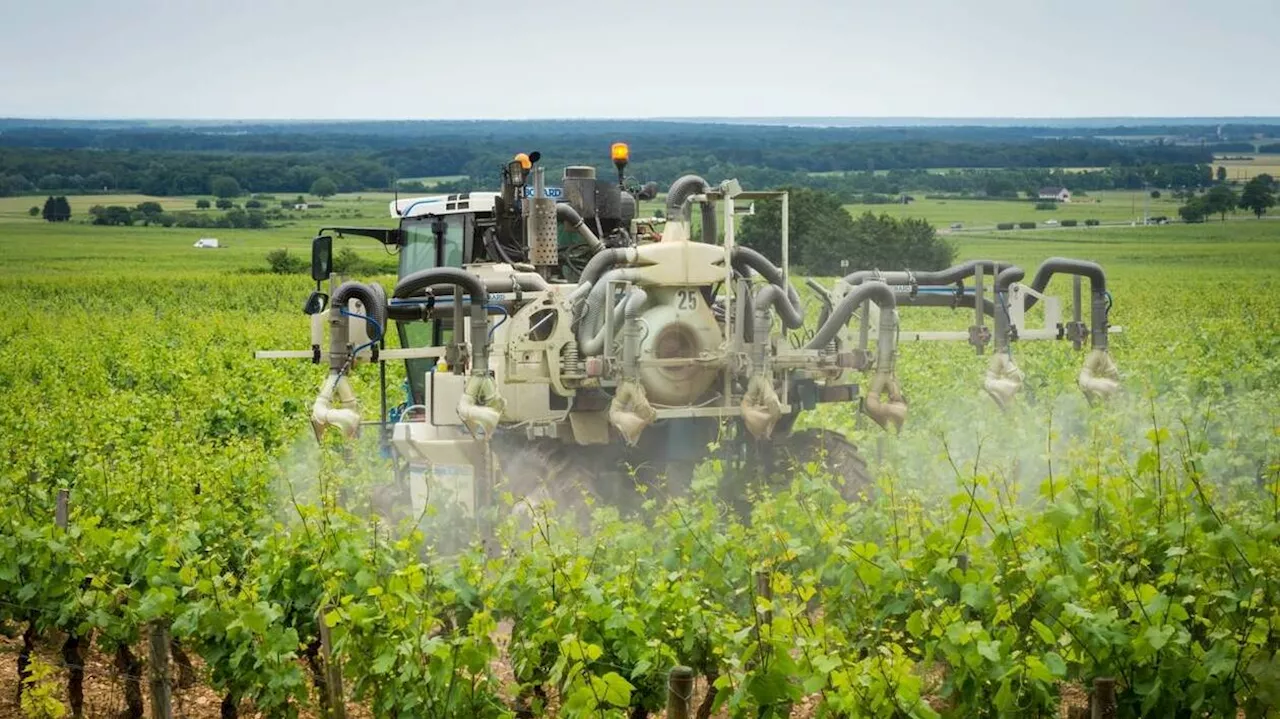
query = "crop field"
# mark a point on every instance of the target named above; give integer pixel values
(1243, 170)
(1004, 561)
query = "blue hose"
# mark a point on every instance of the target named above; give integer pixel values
(371, 321)
(505, 316)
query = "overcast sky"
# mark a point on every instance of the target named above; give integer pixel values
(427, 59)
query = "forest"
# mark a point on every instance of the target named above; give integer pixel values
(182, 159)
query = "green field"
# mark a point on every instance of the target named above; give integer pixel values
(1110, 207)
(1004, 560)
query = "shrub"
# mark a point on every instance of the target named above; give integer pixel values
(202, 204)
(225, 204)
(1091, 222)
(348, 262)
(1046, 205)
(283, 263)
(1069, 223)
(1005, 226)
(34, 211)
(1027, 225)
(252, 204)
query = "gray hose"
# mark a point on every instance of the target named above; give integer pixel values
(526, 281)
(773, 296)
(569, 216)
(679, 193)
(412, 284)
(597, 301)
(948, 276)
(1007, 276)
(709, 231)
(594, 345)
(1099, 305)
(479, 334)
(1062, 265)
(374, 299)
(931, 300)
(745, 257)
(877, 292)
(603, 260)
(631, 329)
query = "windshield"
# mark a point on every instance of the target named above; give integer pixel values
(419, 252)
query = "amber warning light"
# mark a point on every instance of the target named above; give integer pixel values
(620, 152)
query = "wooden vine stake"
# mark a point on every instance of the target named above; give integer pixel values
(679, 692)
(159, 660)
(61, 509)
(1104, 698)
(332, 669)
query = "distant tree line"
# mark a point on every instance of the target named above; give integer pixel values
(357, 156)
(152, 213)
(324, 158)
(163, 174)
(1258, 195)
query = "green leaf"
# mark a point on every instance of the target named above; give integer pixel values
(1056, 664)
(1043, 631)
(990, 650)
(617, 691)
(915, 624)
(1158, 636)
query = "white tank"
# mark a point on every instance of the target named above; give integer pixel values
(678, 326)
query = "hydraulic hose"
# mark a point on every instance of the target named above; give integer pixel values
(569, 216)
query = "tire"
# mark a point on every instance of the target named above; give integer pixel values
(771, 465)
(571, 477)
(835, 455)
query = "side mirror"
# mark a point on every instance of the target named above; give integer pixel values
(316, 303)
(321, 258)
